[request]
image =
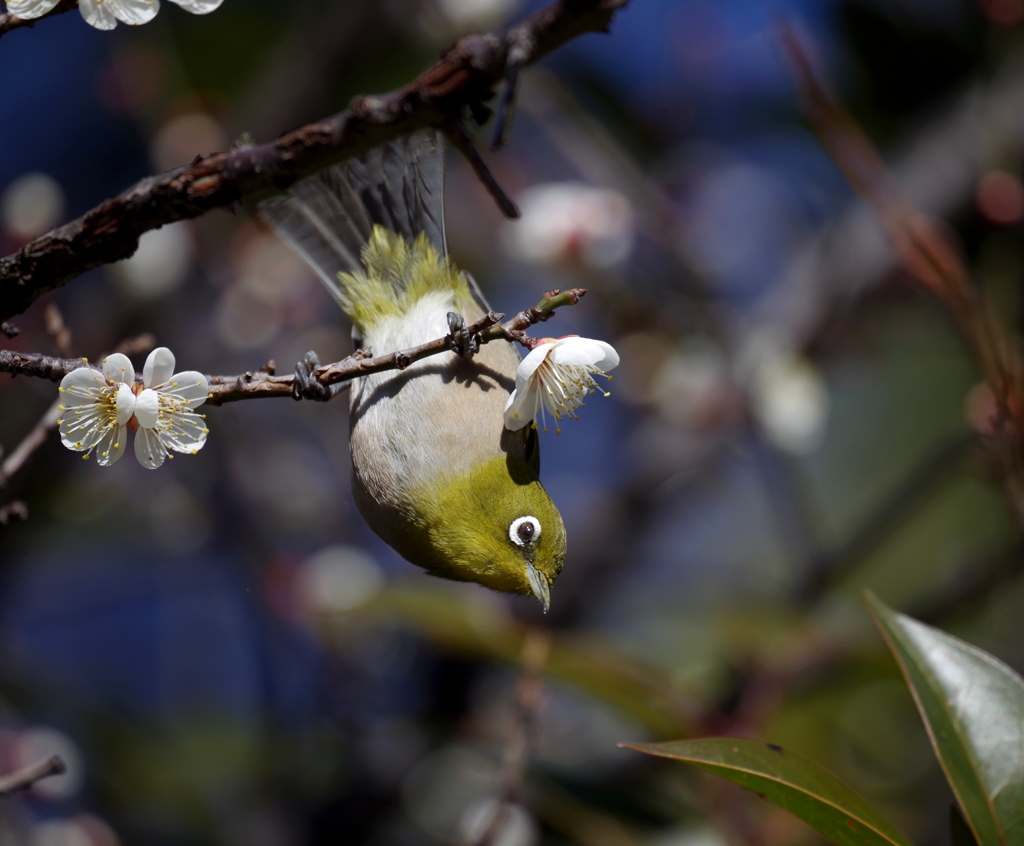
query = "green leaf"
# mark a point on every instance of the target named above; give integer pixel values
(789, 781)
(960, 833)
(973, 708)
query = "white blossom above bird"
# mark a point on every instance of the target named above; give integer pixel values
(556, 376)
(104, 14)
(97, 409)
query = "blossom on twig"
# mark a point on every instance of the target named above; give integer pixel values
(104, 14)
(97, 409)
(557, 375)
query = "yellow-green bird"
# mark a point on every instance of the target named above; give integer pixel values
(436, 473)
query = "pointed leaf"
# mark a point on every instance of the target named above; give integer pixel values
(973, 707)
(789, 781)
(960, 833)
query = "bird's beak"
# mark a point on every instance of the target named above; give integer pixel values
(539, 586)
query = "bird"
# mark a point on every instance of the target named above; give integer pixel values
(436, 474)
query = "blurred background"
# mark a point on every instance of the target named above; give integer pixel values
(226, 656)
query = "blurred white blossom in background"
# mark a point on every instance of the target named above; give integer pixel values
(508, 823)
(79, 830)
(571, 222)
(788, 394)
(160, 263)
(35, 744)
(186, 136)
(477, 14)
(31, 205)
(339, 578)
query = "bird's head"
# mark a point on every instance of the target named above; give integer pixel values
(497, 526)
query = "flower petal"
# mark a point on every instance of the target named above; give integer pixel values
(29, 9)
(147, 410)
(191, 386)
(198, 7)
(124, 404)
(522, 408)
(134, 12)
(584, 352)
(528, 366)
(111, 446)
(81, 386)
(158, 368)
(97, 13)
(148, 449)
(117, 367)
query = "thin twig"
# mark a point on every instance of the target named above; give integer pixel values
(456, 133)
(261, 384)
(931, 262)
(12, 511)
(9, 21)
(57, 330)
(36, 437)
(522, 735)
(463, 77)
(517, 55)
(27, 776)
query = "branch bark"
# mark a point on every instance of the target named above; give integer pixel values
(464, 77)
(27, 776)
(9, 21)
(261, 384)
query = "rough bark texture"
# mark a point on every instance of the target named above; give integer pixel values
(463, 78)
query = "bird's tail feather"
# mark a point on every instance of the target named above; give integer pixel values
(328, 218)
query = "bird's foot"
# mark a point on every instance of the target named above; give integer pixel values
(306, 385)
(459, 339)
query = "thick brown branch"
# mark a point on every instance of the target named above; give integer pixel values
(27, 776)
(39, 365)
(463, 77)
(9, 21)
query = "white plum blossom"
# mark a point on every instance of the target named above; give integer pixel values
(104, 14)
(97, 409)
(557, 375)
(570, 222)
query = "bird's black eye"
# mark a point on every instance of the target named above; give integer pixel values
(524, 531)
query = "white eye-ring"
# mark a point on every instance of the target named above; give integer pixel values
(524, 531)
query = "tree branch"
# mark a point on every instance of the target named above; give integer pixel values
(9, 21)
(262, 384)
(27, 776)
(464, 77)
(932, 263)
